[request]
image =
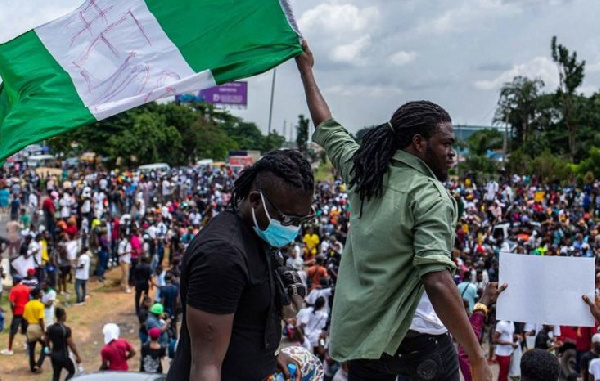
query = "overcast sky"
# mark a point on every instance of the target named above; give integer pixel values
(374, 55)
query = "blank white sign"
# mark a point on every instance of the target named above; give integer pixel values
(546, 289)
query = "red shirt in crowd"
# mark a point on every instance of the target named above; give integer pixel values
(115, 354)
(19, 295)
(48, 204)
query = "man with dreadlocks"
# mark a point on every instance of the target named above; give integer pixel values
(395, 274)
(231, 325)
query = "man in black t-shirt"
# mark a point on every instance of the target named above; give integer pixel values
(231, 320)
(59, 338)
(142, 275)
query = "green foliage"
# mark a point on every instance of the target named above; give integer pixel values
(518, 106)
(172, 133)
(483, 140)
(571, 74)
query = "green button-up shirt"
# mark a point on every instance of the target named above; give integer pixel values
(400, 237)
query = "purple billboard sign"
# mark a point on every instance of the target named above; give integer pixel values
(234, 93)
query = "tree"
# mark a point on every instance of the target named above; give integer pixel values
(571, 75)
(517, 106)
(302, 133)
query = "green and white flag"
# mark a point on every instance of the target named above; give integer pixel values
(111, 55)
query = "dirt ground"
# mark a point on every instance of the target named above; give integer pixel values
(105, 303)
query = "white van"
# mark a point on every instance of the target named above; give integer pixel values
(162, 167)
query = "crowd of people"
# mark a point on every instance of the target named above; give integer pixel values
(65, 231)
(62, 229)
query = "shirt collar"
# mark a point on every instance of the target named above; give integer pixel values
(413, 162)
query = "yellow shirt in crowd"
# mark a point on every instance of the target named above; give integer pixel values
(34, 311)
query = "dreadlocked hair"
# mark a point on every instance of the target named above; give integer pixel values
(379, 144)
(288, 165)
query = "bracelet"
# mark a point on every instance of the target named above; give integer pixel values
(481, 307)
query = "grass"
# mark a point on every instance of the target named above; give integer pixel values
(324, 172)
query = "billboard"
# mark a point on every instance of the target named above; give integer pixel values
(234, 93)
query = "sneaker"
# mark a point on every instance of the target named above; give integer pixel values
(128, 290)
(7, 352)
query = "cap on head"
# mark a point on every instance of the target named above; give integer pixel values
(157, 309)
(154, 333)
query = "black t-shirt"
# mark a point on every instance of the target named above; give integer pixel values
(142, 318)
(151, 359)
(142, 274)
(543, 341)
(58, 335)
(225, 271)
(584, 363)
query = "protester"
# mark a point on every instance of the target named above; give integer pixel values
(395, 176)
(48, 299)
(271, 199)
(143, 281)
(34, 316)
(59, 339)
(506, 342)
(18, 298)
(539, 365)
(115, 352)
(82, 275)
(152, 353)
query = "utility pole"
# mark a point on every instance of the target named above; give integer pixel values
(271, 106)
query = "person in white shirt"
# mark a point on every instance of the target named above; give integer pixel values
(65, 205)
(48, 299)
(82, 275)
(314, 322)
(504, 339)
(322, 291)
(124, 252)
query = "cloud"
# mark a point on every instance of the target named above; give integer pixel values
(364, 90)
(592, 68)
(351, 53)
(493, 66)
(402, 58)
(338, 20)
(539, 67)
(466, 15)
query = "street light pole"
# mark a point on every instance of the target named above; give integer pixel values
(271, 106)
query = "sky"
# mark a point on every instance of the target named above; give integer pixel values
(372, 56)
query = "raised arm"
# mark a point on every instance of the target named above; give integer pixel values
(319, 110)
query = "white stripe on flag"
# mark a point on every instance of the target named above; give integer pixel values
(118, 56)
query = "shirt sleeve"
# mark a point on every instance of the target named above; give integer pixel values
(217, 278)
(339, 145)
(433, 229)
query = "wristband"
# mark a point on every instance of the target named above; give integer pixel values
(481, 307)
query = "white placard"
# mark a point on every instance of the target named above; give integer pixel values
(545, 289)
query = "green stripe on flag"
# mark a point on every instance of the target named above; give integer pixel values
(253, 28)
(37, 98)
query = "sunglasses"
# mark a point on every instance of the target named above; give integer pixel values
(290, 219)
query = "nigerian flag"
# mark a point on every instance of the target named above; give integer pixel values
(108, 56)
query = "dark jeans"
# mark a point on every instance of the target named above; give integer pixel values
(60, 362)
(139, 291)
(420, 357)
(31, 351)
(80, 290)
(102, 263)
(134, 262)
